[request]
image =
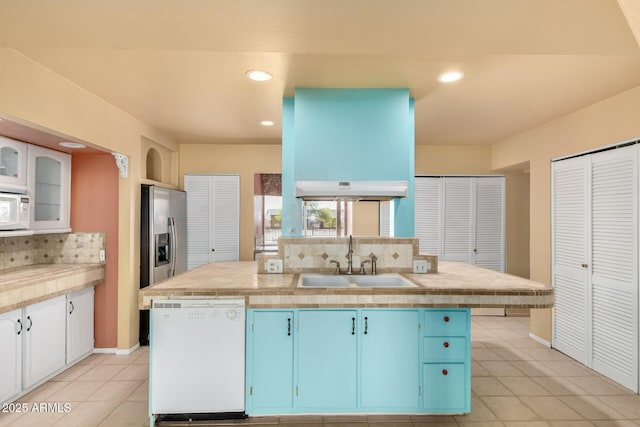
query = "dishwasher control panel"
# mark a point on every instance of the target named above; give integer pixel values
(198, 310)
(196, 314)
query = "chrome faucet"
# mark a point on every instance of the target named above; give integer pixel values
(350, 256)
(362, 264)
(333, 261)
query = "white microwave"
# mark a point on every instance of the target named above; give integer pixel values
(14, 211)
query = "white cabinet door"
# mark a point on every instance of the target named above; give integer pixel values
(79, 324)
(11, 330)
(44, 339)
(49, 185)
(13, 165)
(213, 218)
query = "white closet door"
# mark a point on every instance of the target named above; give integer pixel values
(384, 227)
(225, 222)
(457, 219)
(570, 257)
(428, 214)
(198, 190)
(213, 218)
(614, 264)
(488, 247)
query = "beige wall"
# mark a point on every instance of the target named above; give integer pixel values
(366, 219)
(243, 159)
(33, 95)
(453, 159)
(609, 121)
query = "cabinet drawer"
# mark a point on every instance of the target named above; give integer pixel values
(445, 349)
(446, 388)
(446, 322)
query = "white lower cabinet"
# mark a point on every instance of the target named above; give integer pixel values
(79, 324)
(44, 339)
(39, 340)
(11, 329)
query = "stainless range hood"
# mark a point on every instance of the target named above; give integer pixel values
(351, 190)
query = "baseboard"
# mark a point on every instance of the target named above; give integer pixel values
(540, 340)
(117, 351)
(127, 351)
(105, 350)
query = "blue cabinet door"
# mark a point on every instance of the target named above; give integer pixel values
(269, 361)
(327, 360)
(390, 360)
(446, 388)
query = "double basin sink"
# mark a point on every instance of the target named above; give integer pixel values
(388, 280)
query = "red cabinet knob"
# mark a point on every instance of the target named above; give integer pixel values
(446, 344)
(444, 372)
(446, 318)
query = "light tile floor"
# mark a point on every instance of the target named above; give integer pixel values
(516, 382)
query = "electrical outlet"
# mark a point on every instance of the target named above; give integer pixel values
(420, 266)
(102, 255)
(274, 266)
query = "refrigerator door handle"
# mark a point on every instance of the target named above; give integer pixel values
(173, 246)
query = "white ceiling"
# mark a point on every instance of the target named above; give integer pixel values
(179, 65)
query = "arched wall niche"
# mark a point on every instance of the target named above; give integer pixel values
(154, 165)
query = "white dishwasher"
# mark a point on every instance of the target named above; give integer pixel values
(197, 359)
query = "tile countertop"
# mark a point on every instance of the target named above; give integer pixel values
(35, 283)
(455, 285)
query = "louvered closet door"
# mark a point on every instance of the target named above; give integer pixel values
(225, 218)
(213, 218)
(614, 265)
(428, 214)
(571, 331)
(457, 223)
(488, 245)
(384, 226)
(198, 190)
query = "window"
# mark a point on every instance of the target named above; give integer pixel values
(327, 219)
(267, 213)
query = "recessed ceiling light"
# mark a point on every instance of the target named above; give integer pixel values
(68, 144)
(450, 76)
(258, 75)
(267, 123)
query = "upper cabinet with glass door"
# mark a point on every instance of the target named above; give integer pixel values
(13, 165)
(49, 183)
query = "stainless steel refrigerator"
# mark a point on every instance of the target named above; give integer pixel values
(163, 240)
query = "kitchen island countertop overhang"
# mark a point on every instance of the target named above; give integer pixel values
(455, 284)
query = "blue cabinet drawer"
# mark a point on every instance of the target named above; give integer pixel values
(446, 322)
(446, 388)
(445, 349)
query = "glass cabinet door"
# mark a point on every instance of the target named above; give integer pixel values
(13, 164)
(49, 186)
(9, 159)
(48, 189)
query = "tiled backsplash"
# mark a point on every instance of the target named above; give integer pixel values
(301, 254)
(67, 248)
